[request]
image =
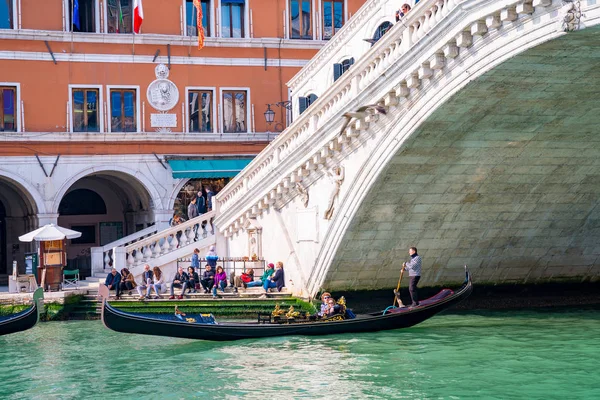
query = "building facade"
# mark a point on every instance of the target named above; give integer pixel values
(89, 121)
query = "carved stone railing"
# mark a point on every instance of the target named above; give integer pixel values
(400, 66)
(367, 69)
(102, 257)
(167, 241)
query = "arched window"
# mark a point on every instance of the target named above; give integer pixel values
(304, 102)
(82, 202)
(381, 30)
(340, 68)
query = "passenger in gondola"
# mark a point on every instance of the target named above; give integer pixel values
(193, 281)
(179, 281)
(332, 307)
(208, 279)
(324, 305)
(220, 281)
(127, 281)
(113, 281)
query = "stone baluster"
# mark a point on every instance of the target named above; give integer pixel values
(439, 12)
(107, 260)
(165, 245)
(156, 249)
(147, 253)
(428, 24)
(191, 234)
(130, 261)
(174, 242)
(139, 256)
(421, 29)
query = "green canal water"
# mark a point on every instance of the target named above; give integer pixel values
(487, 355)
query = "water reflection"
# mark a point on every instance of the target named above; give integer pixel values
(499, 355)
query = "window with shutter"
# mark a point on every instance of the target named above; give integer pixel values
(303, 104)
(337, 71)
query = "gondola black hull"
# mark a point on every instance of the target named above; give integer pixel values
(21, 321)
(130, 323)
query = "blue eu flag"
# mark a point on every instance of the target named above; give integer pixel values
(76, 14)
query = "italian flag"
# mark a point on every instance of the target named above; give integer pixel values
(138, 15)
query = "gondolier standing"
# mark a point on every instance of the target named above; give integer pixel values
(414, 271)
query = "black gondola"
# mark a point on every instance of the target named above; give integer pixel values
(25, 319)
(170, 325)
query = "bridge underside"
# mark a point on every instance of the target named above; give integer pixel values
(504, 177)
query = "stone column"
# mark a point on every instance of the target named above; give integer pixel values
(44, 219)
(162, 218)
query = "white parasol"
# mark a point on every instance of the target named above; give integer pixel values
(49, 232)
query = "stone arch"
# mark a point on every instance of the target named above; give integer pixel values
(173, 196)
(117, 171)
(20, 205)
(399, 135)
(38, 205)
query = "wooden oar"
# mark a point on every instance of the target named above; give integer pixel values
(396, 298)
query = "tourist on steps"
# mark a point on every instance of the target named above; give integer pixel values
(220, 281)
(192, 212)
(414, 272)
(193, 281)
(180, 281)
(208, 279)
(147, 280)
(401, 13)
(113, 281)
(127, 281)
(196, 259)
(211, 258)
(265, 276)
(277, 280)
(158, 285)
(246, 277)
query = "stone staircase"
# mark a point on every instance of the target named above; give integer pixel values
(244, 302)
(159, 249)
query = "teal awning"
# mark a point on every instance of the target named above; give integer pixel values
(215, 168)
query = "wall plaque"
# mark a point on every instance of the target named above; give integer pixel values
(163, 120)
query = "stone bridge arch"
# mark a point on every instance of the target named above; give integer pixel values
(497, 169)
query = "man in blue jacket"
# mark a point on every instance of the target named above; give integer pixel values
(113, 281)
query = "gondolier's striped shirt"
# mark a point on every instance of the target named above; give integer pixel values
(414, 266)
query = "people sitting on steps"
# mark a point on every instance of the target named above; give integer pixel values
(113, 282)
(238, 281)
(179, 281)
(208, 279)
(127, 281)
(193, 281)
(158, 285)
(147, 280)
(265, 276)
(220, 281)
(277, 280)
(212, 257)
